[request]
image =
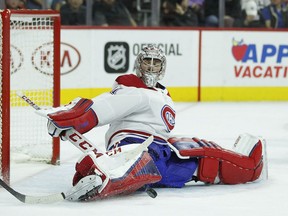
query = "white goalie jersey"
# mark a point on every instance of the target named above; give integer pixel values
(132, 109)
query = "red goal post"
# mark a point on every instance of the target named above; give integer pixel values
(29, 62)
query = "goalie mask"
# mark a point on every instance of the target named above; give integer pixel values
(150, 65)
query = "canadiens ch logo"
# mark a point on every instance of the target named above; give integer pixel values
(168, 117)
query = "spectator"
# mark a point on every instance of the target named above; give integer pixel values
(178, 13)
(57, 4)
(73, 13)
(260, 3)
(34, 4)
(211, 10)
(251, 16)
(198, 8)
(132, 8)
(14, 4)
(111, 13)
(275, 15)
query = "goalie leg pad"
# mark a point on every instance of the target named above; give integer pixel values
(121, 177)
(208, 169)
(214, 161)
(142, 172)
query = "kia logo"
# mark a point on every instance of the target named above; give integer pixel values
(42, 58)
(16, 59)
(70, 58)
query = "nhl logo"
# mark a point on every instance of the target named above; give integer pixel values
(116, 57)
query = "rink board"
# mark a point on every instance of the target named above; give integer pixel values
(202, 65)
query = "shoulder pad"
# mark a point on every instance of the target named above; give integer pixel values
(130, 80)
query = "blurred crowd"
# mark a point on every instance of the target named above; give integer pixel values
(173, 13)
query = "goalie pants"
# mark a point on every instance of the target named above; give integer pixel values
(175, 172)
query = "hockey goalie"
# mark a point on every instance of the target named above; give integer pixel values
(137, 107)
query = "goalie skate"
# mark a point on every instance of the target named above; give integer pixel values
(83, 187)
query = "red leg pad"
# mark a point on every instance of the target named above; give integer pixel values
(234, 168)
(208, 169)
(141, 173)
(231, 167)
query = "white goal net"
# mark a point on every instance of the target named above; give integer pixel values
(32, 71)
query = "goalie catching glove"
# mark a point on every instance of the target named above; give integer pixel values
(78, 115)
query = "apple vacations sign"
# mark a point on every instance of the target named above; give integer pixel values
(258, 61)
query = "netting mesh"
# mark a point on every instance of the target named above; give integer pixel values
(31, 73)
(31, 65)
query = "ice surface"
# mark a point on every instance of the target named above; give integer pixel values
(220, 122)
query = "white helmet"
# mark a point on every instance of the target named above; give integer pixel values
(150, 65)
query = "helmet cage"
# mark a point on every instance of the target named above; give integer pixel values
(150, 65)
